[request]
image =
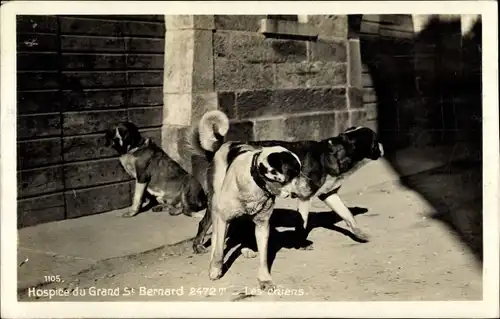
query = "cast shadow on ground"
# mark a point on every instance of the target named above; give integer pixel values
(455, 192)
(241, 232)
(429, 96)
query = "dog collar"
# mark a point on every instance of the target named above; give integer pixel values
(143, 144)
(259, 180)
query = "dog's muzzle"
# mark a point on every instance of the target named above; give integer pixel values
(286, 190)
(381, 149)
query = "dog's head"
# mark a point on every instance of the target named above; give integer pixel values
(350, 147)
(278, 167)
(123, 137)
(362, 142)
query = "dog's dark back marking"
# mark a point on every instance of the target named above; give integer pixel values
(235, 149)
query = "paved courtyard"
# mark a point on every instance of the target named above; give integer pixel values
(411, 256)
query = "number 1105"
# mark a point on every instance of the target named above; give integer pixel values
(52, 278)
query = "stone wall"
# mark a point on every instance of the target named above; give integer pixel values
(287, 85)
(416, 83)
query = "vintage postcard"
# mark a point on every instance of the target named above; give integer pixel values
(213, 159)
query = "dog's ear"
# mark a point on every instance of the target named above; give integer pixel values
(285, 163)
(329, 161)
(263, 169)
(336, 160)
(133, 136)
(292, 166)
(348, 142)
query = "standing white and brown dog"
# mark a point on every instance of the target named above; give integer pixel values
(241, 180)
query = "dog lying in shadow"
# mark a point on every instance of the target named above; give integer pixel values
(241, 232)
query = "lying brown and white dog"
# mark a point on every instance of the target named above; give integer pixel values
(325, 164)
(242, 180)
(157, 175)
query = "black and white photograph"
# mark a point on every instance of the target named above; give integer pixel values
(252, 155)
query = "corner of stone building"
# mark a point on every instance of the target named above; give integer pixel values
(354, 94)
(188, 89)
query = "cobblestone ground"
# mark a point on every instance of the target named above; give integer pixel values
(411, 256)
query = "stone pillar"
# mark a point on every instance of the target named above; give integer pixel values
(188, 89)
(355, 104)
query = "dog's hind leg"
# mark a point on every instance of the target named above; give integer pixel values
(203, 227)
(151, 201)
(140, 188)
(193, 198)
(335, 203)
(218, 239)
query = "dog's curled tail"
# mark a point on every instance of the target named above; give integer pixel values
(212, 129)
(207, 137)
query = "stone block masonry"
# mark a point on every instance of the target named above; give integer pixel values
(271, 85)
(286, 88)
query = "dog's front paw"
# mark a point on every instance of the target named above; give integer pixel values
(199, 248)
(267, 285)
(360, 235)
(130, 213)
(215, 272)
(248, 253)
(175, 211)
